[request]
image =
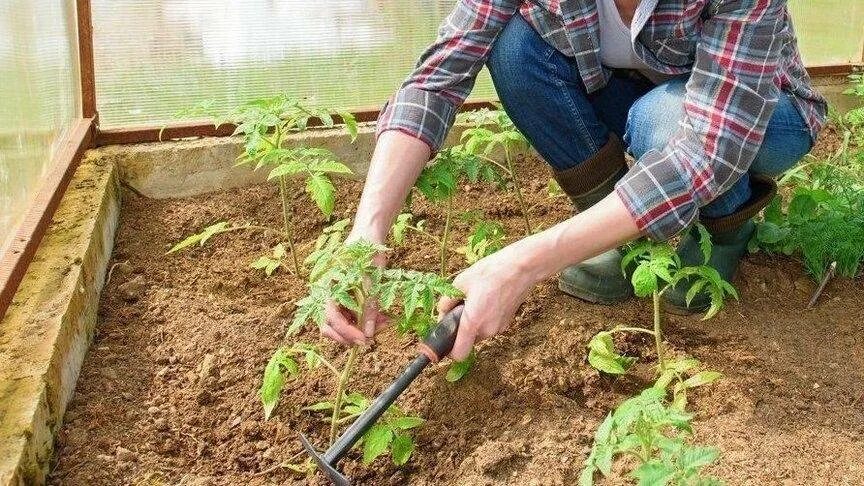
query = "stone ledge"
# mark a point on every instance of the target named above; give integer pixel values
(47, 329)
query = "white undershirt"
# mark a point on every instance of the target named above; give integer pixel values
(616, 47)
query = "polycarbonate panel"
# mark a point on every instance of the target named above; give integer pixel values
(155, 57)
(38, 98)
(829, 31)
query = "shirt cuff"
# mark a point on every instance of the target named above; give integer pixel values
(658, 196)
(421, 114)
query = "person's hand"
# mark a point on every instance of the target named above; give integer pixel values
(494, 288)
(342, 325)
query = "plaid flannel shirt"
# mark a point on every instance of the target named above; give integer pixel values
(742, 55)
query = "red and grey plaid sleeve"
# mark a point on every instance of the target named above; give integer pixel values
(425, 105)
(730, 98)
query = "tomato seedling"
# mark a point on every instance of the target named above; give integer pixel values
(347, 275)
(265, 125)
(439, 182)
(649, 427)
(491, 130)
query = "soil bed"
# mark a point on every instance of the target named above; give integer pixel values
(168, 392)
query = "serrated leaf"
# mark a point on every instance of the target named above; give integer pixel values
(202, 237)
(704, 243)
(694, 457)
(273, 380)
(653, 473)
(644, 280)
(406, 423)
(702, 378)
(322, 192)
(350, 124)
(402, 448)
(375, 442)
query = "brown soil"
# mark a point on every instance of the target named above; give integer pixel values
(788, 411)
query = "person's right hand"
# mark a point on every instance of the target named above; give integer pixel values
(342, 325)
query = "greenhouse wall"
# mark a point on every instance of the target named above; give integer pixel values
(38, 99)
(157, 57)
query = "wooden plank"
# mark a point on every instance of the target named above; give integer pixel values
(85, 60)
(14, 262)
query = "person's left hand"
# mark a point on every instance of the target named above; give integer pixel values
(494, 288)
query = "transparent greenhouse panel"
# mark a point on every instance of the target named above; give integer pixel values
(829, 31)
(156, 57)
(38, 98)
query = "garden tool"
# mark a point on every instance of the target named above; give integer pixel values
(437, 345)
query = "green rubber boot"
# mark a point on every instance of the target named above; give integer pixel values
(729, 235)
(598, 280)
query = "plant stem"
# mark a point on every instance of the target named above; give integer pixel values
(340, 392)
(632, 329)
(286, 220)
(445, 236)
(658, 336)
(360, 296)
(518, 188)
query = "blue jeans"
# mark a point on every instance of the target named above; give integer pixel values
(541, 91)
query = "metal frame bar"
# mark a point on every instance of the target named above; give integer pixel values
(203, 128)
(14, 262)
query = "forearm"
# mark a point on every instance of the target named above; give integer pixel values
(604, 226)
(396, 163)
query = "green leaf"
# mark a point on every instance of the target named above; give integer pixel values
(586, 478)
(319, 407)
(644, 280)
(406, 423)
(704, 243)
(285, 169)
(769, 233)
(350, 124)
(603, 356)
(375, 442)
(702, 378)
(693, 290)
(201, 237)
(694, 457)
(653, 473)
(273, 380)
(459, 369)
(322, 192)
(402, 447)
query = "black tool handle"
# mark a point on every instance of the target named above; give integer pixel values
(440, 342)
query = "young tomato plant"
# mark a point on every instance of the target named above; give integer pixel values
(265, 125)
(657, 268)
(649, 427)
(439, 183)
(347, 275)
(393, 432)
(486, 238)
(491, 130)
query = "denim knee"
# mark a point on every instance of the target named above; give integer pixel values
(515, 59)
(653, 119)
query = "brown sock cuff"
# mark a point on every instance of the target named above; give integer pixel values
(763, 191)
(609, 161)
